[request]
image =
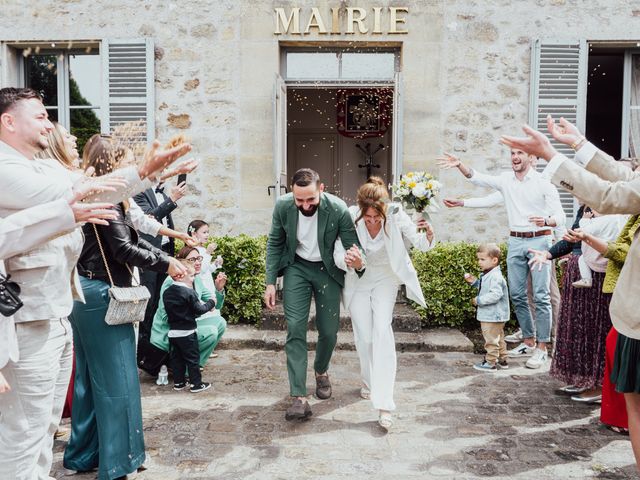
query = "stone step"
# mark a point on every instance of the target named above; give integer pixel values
(428, 340)
(405, 319)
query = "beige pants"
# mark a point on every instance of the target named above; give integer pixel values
(494, 344)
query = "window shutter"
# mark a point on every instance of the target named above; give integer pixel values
(128, 67)
(558, 87)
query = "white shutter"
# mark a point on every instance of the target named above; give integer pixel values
(558, 87)
(128, 72)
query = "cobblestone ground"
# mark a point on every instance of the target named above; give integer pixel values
(452, 423)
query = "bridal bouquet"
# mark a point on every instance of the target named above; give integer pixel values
(417, 191)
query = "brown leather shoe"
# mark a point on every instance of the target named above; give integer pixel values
(323, 386)
(298, 410)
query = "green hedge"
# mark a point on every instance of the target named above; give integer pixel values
(441, 273)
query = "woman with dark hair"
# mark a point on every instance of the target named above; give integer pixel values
(211, 326)
(106, 427)
(384, 230)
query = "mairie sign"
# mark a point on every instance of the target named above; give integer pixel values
(376, 20)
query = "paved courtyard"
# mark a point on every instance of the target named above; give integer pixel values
(452, 422)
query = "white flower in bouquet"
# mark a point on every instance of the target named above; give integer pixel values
(420, 190)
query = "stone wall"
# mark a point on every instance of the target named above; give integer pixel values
(466, 68)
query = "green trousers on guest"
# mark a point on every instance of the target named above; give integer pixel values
(106, 419)
(302, 279)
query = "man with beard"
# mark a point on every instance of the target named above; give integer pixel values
(305, 226)
(533, 209)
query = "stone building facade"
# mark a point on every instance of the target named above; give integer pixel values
(466, 78)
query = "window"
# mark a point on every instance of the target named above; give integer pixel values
(70, 84)
(88, 86)
(349, 65)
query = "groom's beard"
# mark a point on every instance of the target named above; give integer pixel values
(310, 212)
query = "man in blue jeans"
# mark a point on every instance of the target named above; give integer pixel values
(533, 210)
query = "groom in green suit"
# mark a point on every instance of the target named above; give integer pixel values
(304, 229)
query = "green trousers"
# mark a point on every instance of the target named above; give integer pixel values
(301, 280)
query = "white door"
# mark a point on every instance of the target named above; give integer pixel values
(396, 142)
(279, 138)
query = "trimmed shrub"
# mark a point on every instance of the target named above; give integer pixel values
(441, 273)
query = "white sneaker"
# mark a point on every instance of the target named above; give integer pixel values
(582, 283)
(538, 359)
(515, 337)
(365, 393)
(522, 350)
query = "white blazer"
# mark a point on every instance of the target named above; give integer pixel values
(401, 234)
(21, 232)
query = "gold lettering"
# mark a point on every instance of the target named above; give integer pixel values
(315, 20)
(359, 19)
(282, 19)
(394, 20)
(376, 20)
(335, 20)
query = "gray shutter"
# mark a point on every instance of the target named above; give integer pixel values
(559, 87)
(128, 67)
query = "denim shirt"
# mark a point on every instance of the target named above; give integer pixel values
(493, 297)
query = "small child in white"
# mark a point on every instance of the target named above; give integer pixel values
(602, 227)
(183, 307)
(493, 307)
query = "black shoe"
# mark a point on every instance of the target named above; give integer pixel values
(323, 386)
(200, 388)
(298, 410)
(503, 364)
(179, 386)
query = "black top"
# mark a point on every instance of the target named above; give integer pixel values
(122, 247)
(148, 202)
(183, 307)
(562, 248)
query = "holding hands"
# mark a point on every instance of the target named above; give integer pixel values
(353, 258)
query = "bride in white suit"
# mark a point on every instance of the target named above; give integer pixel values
(385, 232)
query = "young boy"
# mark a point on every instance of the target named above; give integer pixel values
(183, 307)
(493, 307)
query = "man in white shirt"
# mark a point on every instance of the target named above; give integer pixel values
(305, 226)
(533, 209)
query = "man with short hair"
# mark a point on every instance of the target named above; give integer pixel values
(306, 224)
(48, 279)
(533, 209)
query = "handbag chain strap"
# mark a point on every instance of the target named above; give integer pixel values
(104, 259)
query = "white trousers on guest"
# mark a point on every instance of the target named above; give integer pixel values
(371, 314)
(30, 413)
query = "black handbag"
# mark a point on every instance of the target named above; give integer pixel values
(10, 301)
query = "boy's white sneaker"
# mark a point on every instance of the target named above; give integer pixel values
(522, 350)
(538, 359)
(515, 337)
(582, 283)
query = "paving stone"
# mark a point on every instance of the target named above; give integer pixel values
(451, 422)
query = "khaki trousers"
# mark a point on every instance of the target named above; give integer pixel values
(494, 344)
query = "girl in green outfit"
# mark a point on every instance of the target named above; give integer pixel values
(211, 327)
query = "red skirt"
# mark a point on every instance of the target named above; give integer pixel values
(614, 410)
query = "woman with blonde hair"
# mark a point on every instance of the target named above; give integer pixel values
(62, 147)
(384, 230)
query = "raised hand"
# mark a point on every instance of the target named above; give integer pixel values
(448, 161)
(566, 132)
(453, 202)
(574, 236)
(185, 167)
(534, 143)
(220, 281)
(88, 186)
(98, 213)
(540, 258)
(155, 161)
(178, 191)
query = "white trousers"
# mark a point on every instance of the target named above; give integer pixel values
(371, 314)
(30, 413)
(585, 270)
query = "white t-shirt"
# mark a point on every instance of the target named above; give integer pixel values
(307, 236)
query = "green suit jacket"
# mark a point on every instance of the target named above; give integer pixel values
(333, 221)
